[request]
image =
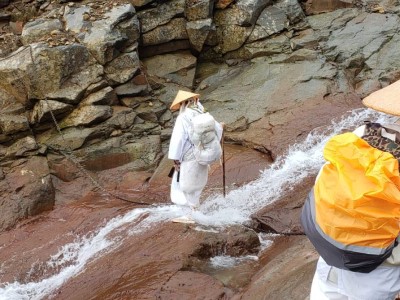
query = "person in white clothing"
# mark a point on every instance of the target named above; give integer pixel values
(190, 177)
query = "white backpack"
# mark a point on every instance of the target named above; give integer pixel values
(207, 147)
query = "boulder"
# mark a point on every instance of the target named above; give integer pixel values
(199, 9)
(122, 68)
(26, 190)
(142, 153)
(131, 89)
(283, 215)
(324, 6)
(59, 73)
(233, 241)
(15, 77)
(292, 9)
(231, 37)
(86, 115)
(44, 108)
(10, 124)
(174, 30)
(74, 18)
(107, 37)
(272, 20)
(39, 29)
(72, 138)
(122, 118)
(23, 147)
(244, 13)
(105, 96)
(178, 67)
(160, 15)
(151, 110)
(304, 39)
(9, 104)
(198, 32)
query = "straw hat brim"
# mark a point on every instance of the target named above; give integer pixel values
(385, 100)
(180, 97)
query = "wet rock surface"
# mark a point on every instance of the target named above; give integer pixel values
(163, 262)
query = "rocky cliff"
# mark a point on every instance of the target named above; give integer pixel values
(89, 83)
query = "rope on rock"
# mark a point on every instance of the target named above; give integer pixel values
(71, 157)
(68, 153)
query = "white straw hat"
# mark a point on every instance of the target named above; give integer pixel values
(180, 97)
(385, 100)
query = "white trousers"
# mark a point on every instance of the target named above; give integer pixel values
(192, 180)
(330, 283)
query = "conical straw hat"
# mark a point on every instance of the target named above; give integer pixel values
(180, 97)
(385, 100)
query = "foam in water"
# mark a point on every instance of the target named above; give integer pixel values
(73, 257)
(301, 160)
(225, 261)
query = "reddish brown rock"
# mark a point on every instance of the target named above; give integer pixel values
(283, 215)
(223, 3)
(313, 7)
(185, 285)
(26, 190)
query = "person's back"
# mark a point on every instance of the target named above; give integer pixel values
(191, 175)
(352, 215)
(205, 139)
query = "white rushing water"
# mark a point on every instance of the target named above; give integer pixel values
(301, 160)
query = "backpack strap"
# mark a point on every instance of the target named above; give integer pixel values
(373, 136)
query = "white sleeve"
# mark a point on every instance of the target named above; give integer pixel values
(359, 131)
(176, 142)
(218, 130)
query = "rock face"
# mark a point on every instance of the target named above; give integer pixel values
(107, 73)
(26, 189)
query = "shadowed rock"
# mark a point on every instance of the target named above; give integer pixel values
(44, 108)
(162, 14)
(178, 67)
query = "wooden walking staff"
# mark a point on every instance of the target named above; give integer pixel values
(223, 158)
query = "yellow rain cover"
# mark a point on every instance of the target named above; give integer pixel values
(357, 197)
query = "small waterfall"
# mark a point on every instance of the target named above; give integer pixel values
(300, 161)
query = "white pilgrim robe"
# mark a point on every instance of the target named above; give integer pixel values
(192, 176)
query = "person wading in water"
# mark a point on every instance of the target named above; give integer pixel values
(192, 148)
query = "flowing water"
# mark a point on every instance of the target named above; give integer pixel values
(302, 159)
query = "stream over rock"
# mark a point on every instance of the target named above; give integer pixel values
(85, 91)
